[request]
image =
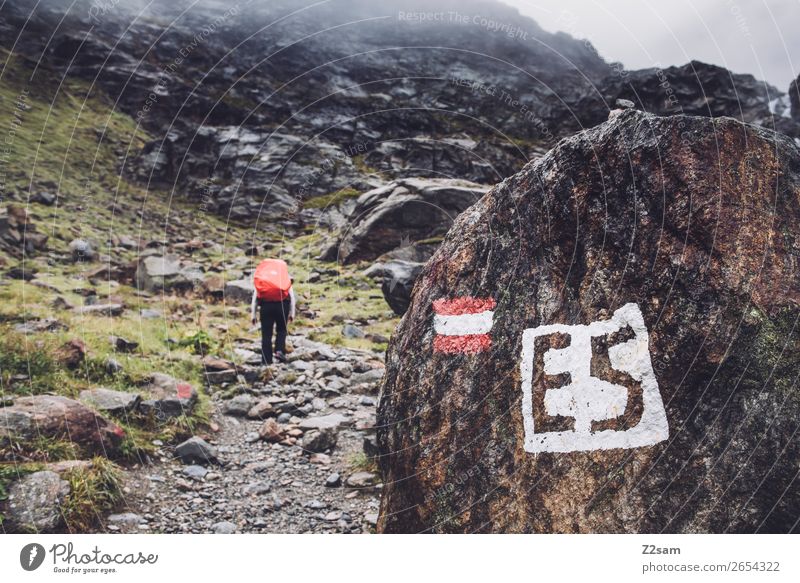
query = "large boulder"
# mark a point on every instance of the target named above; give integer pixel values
(34, 502)
(400, 212)
(607, 342)
(58, 417)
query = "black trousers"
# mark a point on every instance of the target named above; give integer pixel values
(273, 314)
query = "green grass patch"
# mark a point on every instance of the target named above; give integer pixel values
(360, 462)
(94, 492)
(332, 199)
(27, 366)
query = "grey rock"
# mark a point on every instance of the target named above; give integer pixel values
(351, 331)
(257, 488)
(220, 377)
(362, 480)
(238, 406)
(110, 401)
(127, 242)
(123, 345)
(113, 366)
(262, 409)
(370, 446)
(223, 527)
(160, 273)
(110, 309)
(342, 369)
(259, 467)
(45, 198)
(302, 365)
(43, 325)
(333, 481)
(195, 472)
(126, 522)
(239, 291)
(319, 441)
(371, 376)
(401, 212)
(81, 250)
(196, 450)
(168, 397)
(332, 421)
(333, 516)
(398, 283)
(34, 502)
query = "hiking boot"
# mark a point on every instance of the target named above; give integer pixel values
(280, 356)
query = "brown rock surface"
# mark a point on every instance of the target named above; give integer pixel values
(59, 417)
(691, 221)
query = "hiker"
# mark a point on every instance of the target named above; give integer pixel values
(274, 296)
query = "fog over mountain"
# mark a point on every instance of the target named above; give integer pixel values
(745, 37)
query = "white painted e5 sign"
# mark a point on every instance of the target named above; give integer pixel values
(588, 399)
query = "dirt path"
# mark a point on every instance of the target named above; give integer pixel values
(270, 487)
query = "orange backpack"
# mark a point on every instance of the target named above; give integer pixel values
(272, 280)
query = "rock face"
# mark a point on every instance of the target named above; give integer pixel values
(34, 502)
(226, 156)
(463, 112)
(695, 88)
(400, 212)
(615, 344)
(59, 417)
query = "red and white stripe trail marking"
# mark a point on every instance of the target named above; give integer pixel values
(462, 325)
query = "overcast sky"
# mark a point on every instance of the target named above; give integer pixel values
(761, 37)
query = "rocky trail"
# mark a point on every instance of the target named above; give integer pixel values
(252, 475)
